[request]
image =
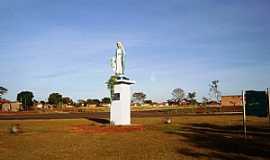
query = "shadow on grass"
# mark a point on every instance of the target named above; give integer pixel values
(211, 156)
(224, 142)
(100, 120)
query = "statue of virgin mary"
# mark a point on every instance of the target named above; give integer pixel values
(118, 59)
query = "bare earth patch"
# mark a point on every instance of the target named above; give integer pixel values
(186, 137)
(106, 128)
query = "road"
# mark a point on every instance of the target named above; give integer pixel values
(25, 116)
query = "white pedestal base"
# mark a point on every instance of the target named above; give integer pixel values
(120, 107)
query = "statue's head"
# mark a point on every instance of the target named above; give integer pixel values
(119, 44)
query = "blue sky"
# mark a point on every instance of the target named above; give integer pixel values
(65, 46)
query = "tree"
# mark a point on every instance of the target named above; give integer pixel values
(26, 98)
(214, 91)
(148, 102)
(35, 102)
(2, 91)
(42, 102)
(178, 95)
(106, 100)
(138, 97)
(82, 103)
(55, 99)
(93, 101)
(110, 84)
(205, 100)
(67, 100)
(96, 102)
(191, 96)
(89, 101)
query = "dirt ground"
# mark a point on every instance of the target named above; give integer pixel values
(188, 137)
(105, 128)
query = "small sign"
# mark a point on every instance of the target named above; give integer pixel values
(256, 103)
(116, 96)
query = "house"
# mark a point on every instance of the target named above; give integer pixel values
(2, 101)
(8, 106)
(213, 104)
(3, 105)
(231, 101)
(135, 104)
(165, 103)
(39, 106)
(161, 104)
(155, 104)
(91, 105)
(185, 102)
(105, 104)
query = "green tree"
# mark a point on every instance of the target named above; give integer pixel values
(110, 84)
(67, 100)
(55, 99)
(26, 98)
(2, 91)
(106, 100)
(205, 100)
(191, 96)
(82, 103)
(93, 102)
(89, 101)
(96, 102)
(214, 90)
(148, 102)
(138, 97)
(178, 95)
(35, 102)
(43, 102)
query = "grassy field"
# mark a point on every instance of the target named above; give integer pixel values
(188, 137)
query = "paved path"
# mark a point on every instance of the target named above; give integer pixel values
(24, 116)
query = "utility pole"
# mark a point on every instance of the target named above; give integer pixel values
(25, 104)
(244, 114)
(268, 97)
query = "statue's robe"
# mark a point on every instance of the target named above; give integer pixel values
(119, 61)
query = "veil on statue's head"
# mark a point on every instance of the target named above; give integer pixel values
(120, 44)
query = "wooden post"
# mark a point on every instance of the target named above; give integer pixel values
(244, 114)
(268, 96)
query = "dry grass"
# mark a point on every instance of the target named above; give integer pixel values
(188, 137)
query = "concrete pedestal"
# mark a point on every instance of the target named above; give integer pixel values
(120, 107)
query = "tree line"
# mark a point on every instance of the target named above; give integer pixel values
(26, 98)
(179, 96)
(57, 100)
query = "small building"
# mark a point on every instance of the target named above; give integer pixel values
(3, 101)
(134, 104)
(213, 104)
(165, 103)
(68, 106)
(3, 105)
(231, 101)
(105, 104)
(91, 106)
(39, 106)
(7, 106)
(154, 104)
(185, 102)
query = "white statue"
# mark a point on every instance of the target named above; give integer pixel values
(118, 59)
